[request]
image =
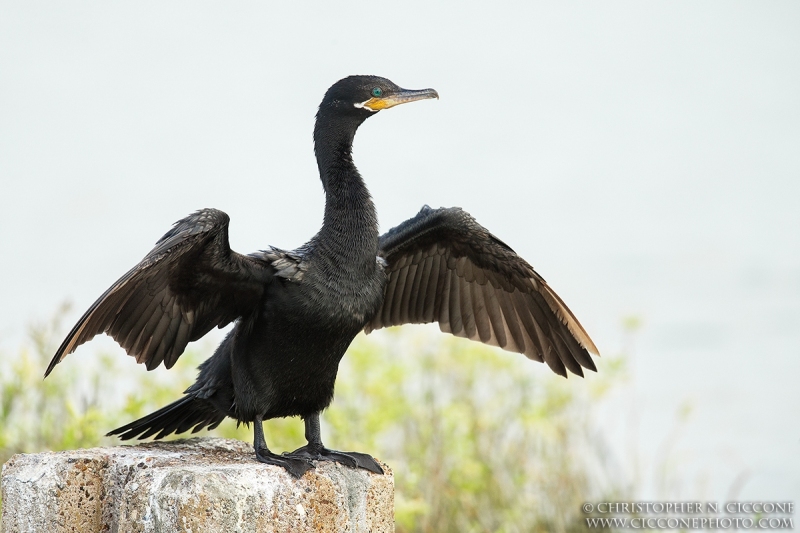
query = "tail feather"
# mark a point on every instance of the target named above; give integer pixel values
(187, 413)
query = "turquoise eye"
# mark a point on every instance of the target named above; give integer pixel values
(376, 92)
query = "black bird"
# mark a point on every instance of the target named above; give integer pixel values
(296, 312)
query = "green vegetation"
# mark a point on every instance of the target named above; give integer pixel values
(480, 440)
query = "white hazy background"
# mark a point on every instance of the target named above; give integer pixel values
(643, 156)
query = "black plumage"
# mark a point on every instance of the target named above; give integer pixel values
(296, 312)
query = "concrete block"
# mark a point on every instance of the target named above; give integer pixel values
(196, 485)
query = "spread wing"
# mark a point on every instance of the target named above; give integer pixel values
(188, 284)
(445, 267)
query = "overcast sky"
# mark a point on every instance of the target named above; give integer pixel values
(643, 156)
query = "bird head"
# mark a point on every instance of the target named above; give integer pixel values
(363, 96)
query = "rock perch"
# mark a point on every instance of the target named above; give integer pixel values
(196, 485)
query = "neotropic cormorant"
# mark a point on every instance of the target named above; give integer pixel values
(296, 312)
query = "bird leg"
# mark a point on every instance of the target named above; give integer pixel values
(316, 451)
(296, 466)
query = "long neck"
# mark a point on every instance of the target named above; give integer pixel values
(350, 226)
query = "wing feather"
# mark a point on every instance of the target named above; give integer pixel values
(479, 313)
(444, 300)
(434, 290)
(405, 301)
(456, 319)
(388, 303)
(494, 314)
(467, 312)
(511, 320)
(398, 297)
(414, 293)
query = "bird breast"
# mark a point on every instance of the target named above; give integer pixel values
(345, 295)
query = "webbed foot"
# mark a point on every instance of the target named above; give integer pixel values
(296, 466)
(351, 459)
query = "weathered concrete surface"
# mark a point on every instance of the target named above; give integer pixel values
(196, 485)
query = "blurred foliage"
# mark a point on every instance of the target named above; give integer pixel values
(480, 440)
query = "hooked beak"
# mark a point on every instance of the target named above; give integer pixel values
(403, 96)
